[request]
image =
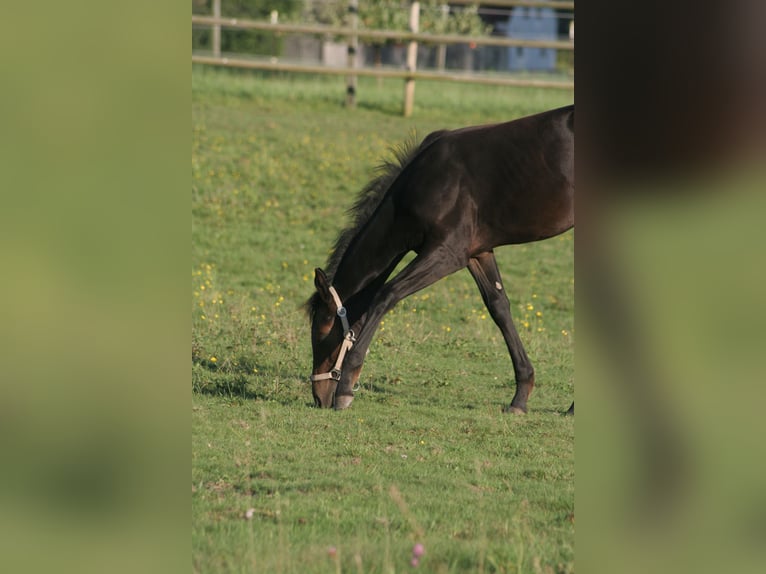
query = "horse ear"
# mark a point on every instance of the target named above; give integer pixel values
(323, 287)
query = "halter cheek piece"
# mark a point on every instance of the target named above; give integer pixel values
(348, 341)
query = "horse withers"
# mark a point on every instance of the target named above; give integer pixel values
(451, 200)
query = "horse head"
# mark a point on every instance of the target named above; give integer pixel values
(331, 339)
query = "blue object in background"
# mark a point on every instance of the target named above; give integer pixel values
(532, 24)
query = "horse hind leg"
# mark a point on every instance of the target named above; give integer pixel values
(484, 270)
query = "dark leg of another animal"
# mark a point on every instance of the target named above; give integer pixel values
(484, 269)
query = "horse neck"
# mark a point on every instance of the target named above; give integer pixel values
(355, 282)
(369, 257)
(358, 278)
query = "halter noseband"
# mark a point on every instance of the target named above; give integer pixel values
(348, 341)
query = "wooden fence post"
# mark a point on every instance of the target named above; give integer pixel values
(353, 46)
(412, 60)
(217, 29)
(441, 54)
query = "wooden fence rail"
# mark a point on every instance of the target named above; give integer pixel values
(399, 35)
(216, 22)
(380, 72)
(519, 3)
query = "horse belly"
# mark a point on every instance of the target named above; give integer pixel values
(528, 217)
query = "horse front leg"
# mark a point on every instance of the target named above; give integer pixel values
(427, 268)
(484, 270)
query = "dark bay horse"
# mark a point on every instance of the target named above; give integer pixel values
(451, 200)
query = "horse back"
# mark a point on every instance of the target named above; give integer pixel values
(511, 182)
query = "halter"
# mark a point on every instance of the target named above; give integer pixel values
(348, 341)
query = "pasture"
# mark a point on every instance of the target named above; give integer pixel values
(424, 455)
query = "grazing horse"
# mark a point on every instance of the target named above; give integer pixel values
(451, 200)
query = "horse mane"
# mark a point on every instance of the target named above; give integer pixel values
(368, 200)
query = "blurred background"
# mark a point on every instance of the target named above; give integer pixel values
(499, 42)
(96, 262)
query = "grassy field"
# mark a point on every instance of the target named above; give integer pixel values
(425, 454)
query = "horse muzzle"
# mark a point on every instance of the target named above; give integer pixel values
(326, 395)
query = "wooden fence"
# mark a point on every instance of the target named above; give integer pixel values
(353, 33)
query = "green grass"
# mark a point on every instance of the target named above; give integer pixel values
(424, 454)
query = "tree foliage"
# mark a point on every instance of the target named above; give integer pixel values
(436, 17)
(439, 18)
(244, 41)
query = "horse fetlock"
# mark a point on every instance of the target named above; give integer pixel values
(525, 376)
(512, 409)
(519, 403)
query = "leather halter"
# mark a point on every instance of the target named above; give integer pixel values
(348, 341)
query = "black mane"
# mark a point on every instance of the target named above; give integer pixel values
(368, 200)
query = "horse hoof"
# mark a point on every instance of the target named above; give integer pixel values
(514, 410)
(343, 402)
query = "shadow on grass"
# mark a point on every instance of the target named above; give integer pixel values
(382, 388)
(385, 108)
(243, 378)
(552, 411)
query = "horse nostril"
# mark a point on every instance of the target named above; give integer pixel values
(321, 403)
